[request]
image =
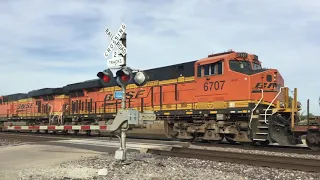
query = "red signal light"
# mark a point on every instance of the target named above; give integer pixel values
(106, 78)
(125, 78)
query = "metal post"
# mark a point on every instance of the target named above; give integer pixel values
(308, 113)
(124, 42)
(123, 102)
(123, 128)
(123, 141)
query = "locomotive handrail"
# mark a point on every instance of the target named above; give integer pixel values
(50, 113)
(255, 108)
(265, 113)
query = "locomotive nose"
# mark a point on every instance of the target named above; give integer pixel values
(273, 79)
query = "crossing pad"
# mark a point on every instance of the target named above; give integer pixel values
(140, 146)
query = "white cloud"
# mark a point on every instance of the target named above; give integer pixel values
(52, 43)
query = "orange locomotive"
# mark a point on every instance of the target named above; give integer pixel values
(225, 95)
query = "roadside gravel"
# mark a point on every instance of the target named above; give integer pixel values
(257, 152)
(9, 142)
(148, 166)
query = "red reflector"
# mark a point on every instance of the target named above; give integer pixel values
(106, 78)
(125, 78)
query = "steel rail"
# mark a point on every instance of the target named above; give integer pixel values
(301, 164)
(269, 148)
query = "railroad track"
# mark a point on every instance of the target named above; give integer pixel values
(301, 164)
(269, 148)
(45, 137)
(284, 162)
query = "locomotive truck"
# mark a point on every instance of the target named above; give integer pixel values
(227, 95)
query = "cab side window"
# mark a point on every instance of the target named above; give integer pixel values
(206, 70)
(210, 69)
(216, 68)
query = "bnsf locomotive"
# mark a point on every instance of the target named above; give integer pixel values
(223, 96)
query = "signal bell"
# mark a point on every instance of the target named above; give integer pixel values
(106, 77)
(141, 78)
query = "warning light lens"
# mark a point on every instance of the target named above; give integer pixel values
(125, 78)
(106, 78)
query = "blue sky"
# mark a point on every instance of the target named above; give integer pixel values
(52, 43)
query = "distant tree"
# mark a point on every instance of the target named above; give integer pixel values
(290, 100)
(305, 116)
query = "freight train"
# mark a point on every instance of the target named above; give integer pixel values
(227, 95)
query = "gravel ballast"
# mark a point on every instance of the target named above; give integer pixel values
(148, 166)
(307, 156)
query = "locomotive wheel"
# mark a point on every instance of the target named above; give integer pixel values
(230, 140)
(168, 130)
(313, 140)
(263, 143)
(212, 141)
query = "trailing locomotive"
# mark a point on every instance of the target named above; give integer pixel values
(226, 95)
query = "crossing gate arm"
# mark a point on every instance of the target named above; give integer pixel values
(132, 117)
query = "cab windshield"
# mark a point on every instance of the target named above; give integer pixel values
(241, 66)
(256, 66)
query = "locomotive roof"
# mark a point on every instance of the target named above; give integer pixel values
(94, 83)
(45, 91)
(215, 56)
(159, 73)
(15, 97)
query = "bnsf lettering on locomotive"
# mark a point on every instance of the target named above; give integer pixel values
(214, 85)
(24, 106)
(129, 95)
(266, 85)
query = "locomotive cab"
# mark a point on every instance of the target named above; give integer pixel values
(236, 76)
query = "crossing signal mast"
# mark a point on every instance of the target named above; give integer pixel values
(124, 76)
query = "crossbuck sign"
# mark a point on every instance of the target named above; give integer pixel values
(115, 42)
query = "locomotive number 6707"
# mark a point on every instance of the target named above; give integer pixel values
(214, 85)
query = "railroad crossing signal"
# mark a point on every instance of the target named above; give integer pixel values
(118, 40)
(124, 76)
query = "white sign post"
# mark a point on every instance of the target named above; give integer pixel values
(116, 61)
